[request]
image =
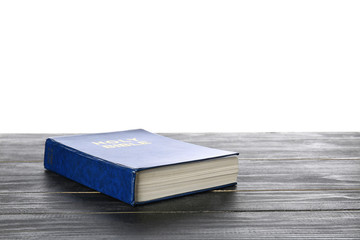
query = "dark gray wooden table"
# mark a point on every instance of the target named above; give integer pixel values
(290, 185)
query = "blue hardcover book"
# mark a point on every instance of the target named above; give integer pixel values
(138, 167)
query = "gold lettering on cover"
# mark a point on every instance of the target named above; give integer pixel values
(98, 143)
(133, 139)
(120, 143)
(107, 146)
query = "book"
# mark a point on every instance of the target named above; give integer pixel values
(138, 167)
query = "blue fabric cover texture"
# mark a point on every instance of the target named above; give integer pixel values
(108, 162)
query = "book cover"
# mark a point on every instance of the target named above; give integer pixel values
(108, 162)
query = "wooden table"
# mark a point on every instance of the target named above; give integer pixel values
(290, 185)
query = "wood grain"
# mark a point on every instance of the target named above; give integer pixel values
(290, 185)
(253, 175)
(250, 145)
(184, 225)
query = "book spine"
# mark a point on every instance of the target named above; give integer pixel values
(103, 176)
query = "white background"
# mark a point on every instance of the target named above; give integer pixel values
(179, 66)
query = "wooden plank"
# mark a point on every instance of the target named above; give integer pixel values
(76, 202)
(262, 185)
(183, 225)
(22, 147)
(253, 175)
(281, 145)
(249, 145)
